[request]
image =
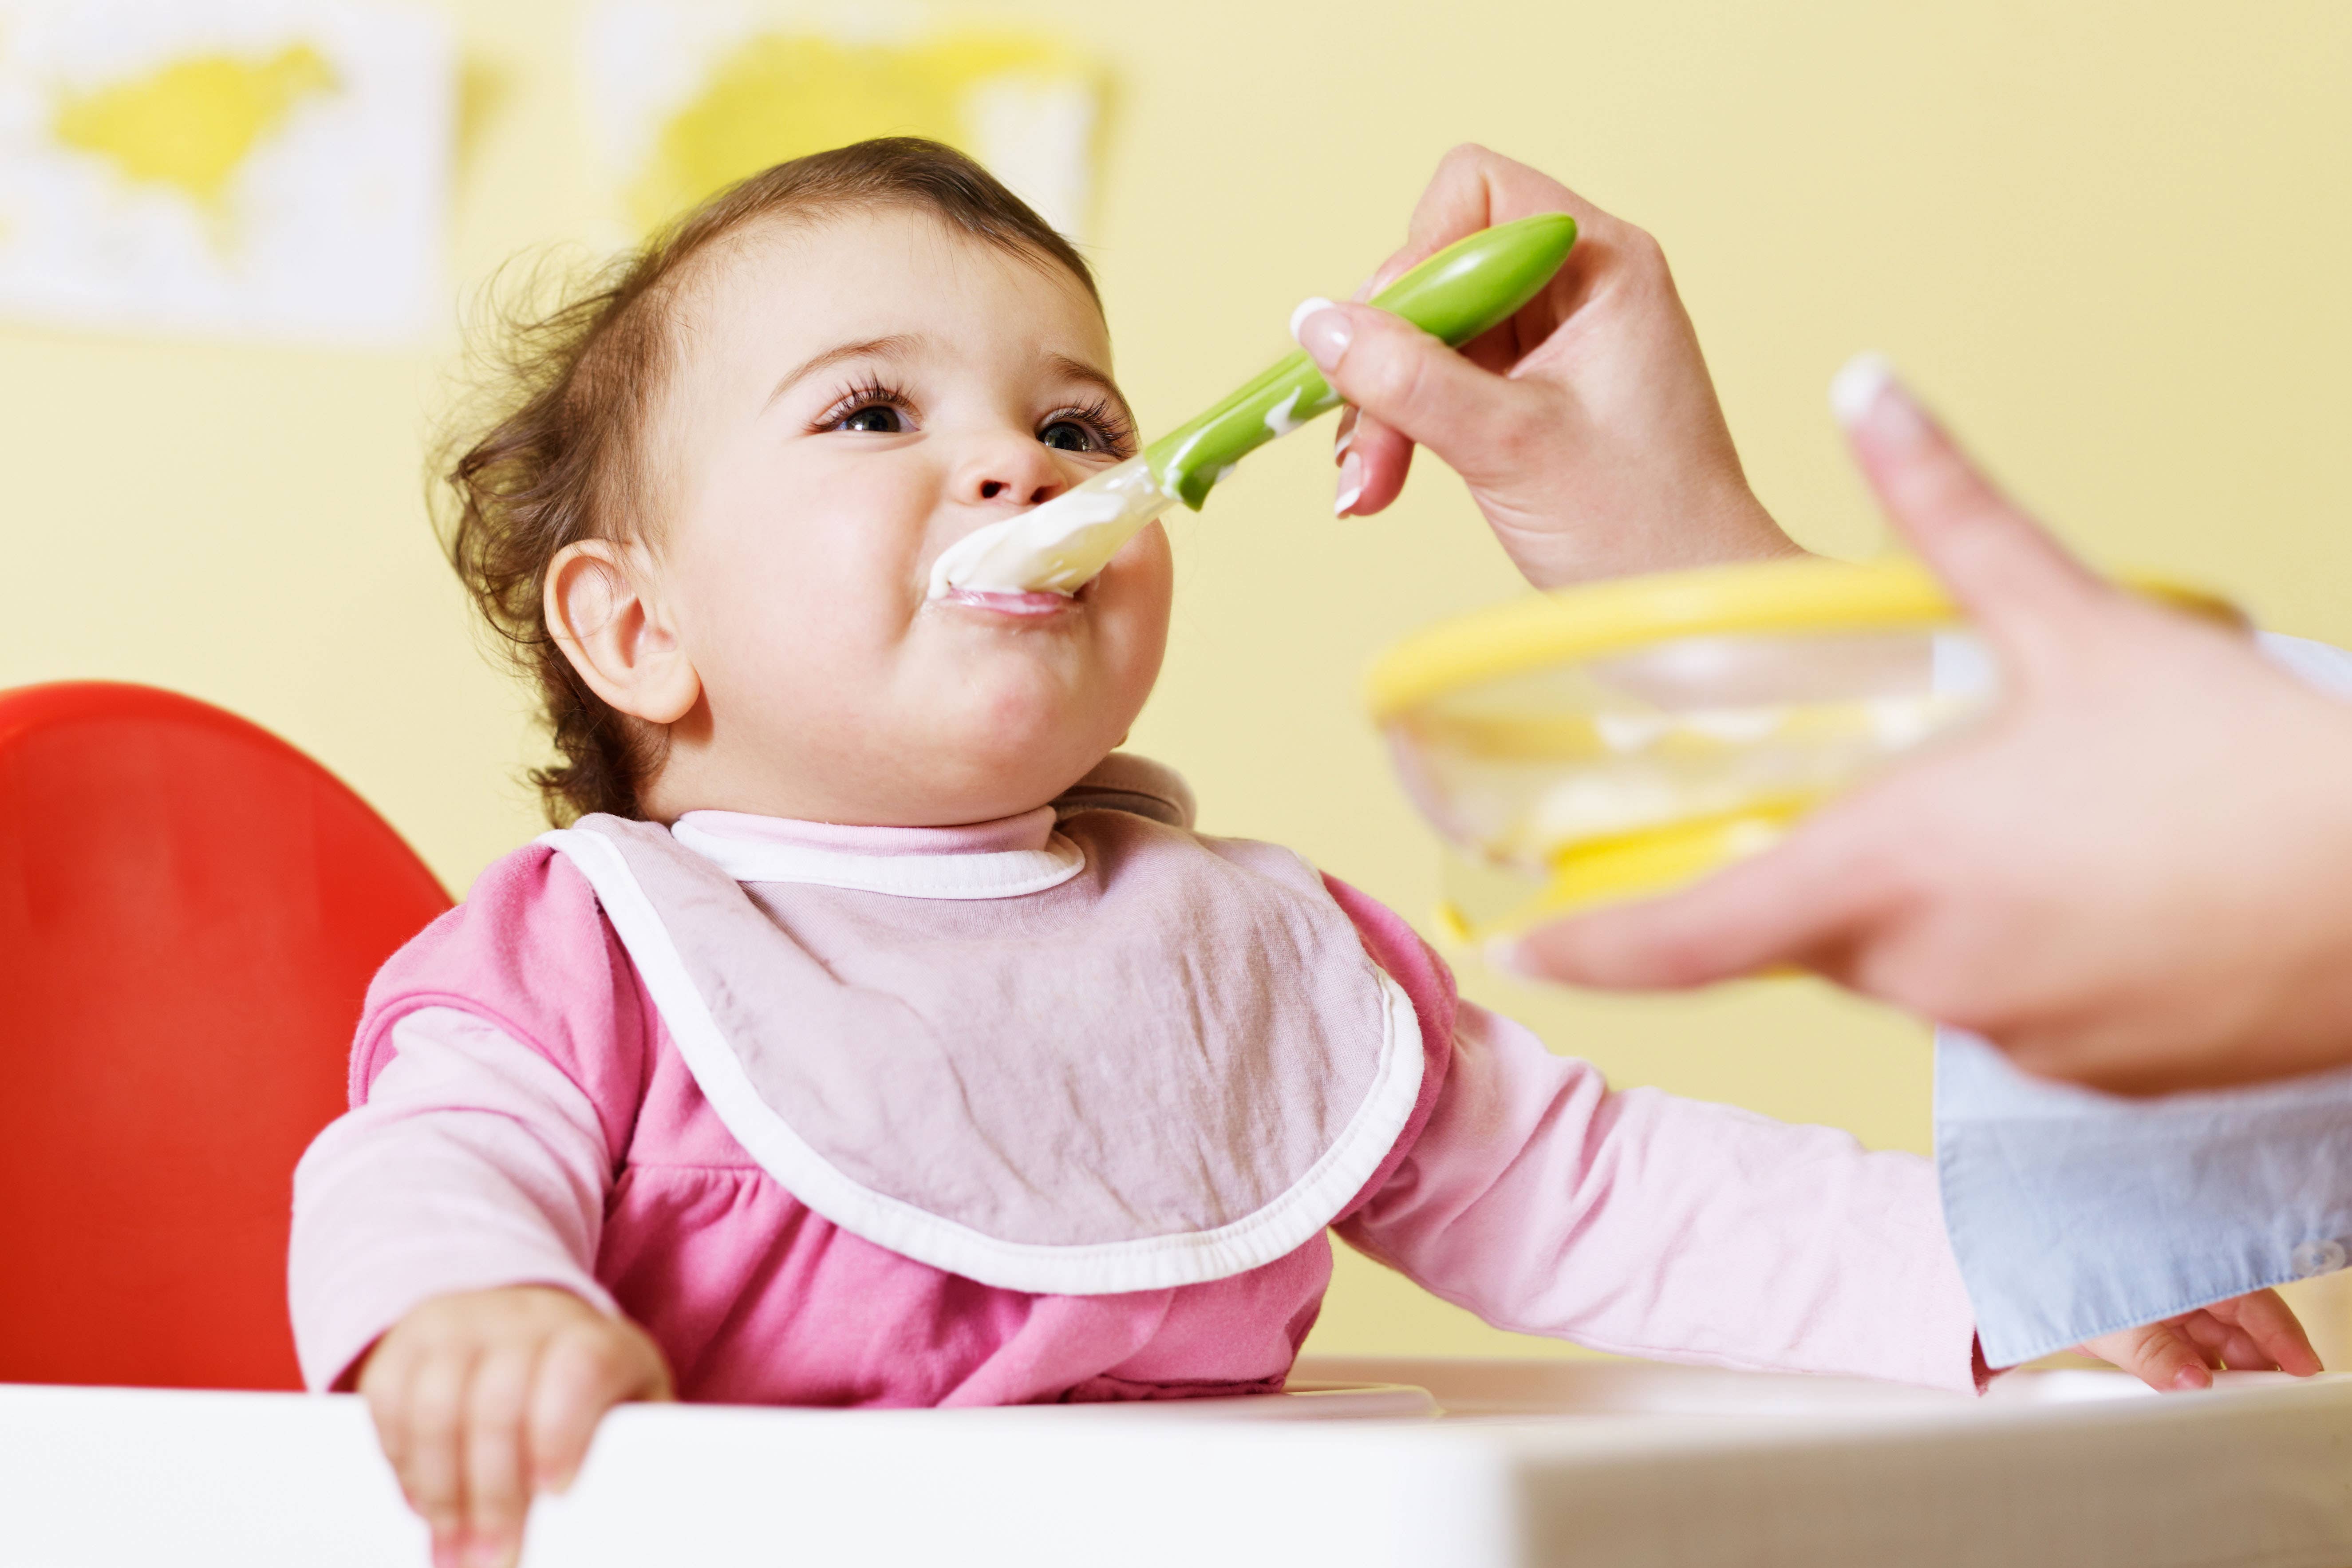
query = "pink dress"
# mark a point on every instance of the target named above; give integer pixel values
(524, 1113)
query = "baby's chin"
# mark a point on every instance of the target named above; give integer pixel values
(947, 786)
(1015, 745)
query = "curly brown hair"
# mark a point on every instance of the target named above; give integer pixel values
(561, 456)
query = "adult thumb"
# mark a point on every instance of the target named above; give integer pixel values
(1410, 382)
(2005, 569)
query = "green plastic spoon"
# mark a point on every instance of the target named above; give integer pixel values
(1471, 286)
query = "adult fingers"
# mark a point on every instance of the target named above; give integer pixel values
(1478, 422)
(1473, 188)
(2265, 1318)
(1795, 904)
(1476, 188)
(1374, 461)
(2012, 578)
(498, 1484)
(1457, 201)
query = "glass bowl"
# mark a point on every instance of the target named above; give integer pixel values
(1619, 739)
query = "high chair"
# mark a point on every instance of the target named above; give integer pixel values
(190, 911)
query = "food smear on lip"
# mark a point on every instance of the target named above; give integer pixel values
(1056, 548)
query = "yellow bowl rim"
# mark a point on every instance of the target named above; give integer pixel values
(1808, 595)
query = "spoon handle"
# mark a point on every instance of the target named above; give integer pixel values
(1472, 285)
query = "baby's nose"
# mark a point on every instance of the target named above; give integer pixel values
(1018, 473)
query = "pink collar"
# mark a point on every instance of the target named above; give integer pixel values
(1027, 830)
(1007, 858)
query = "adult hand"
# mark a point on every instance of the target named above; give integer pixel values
(1586, 426)
(2137, 874)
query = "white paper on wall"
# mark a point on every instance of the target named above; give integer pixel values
(272, 169)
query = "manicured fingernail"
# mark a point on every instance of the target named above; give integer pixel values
(1856, 387)
(444, 1554)
(1866, 395)
(1869, 398)
(1351, 485)
(1506, 954)
(1340, 447)
(2190, 1378)
(1321, 329)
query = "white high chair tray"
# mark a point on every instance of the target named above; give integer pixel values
(1474, 1464)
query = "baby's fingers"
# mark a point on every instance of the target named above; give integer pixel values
(497, 1492)
(2266, 1320)
(2225, 1345)
(584, 1372)
(431, 1471)
(384, 1383)
(2159, 1355)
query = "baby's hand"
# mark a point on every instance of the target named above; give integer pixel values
(484, 1398)
(2249, 1333)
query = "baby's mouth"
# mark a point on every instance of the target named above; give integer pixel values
(1061, 544)
(1023, 604)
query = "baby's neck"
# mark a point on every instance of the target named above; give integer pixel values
(688, 784)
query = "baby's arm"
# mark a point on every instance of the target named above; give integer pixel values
(1644, 1223)
(444, 1237)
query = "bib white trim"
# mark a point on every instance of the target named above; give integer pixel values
(996, 874)
(1149, 1263)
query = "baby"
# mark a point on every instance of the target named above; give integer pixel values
(876, 1034)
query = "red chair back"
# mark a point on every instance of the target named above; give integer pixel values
(190, 913)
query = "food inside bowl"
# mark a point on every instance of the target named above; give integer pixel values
(1616, 740)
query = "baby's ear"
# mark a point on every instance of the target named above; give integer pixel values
(604, 610)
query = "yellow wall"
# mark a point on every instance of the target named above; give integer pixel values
(2110, 238)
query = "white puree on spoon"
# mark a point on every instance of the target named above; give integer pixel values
(1058, 547)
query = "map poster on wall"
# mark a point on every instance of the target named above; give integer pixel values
(269, 169)
(686, 97)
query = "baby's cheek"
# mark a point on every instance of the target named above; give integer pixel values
(1134, 597)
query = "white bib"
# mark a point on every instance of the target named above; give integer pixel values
(1130, 1059)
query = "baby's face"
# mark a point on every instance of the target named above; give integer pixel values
(853, 396)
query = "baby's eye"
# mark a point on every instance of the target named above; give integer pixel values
(1069, 435)
(876, 419)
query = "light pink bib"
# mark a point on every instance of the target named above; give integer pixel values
(1131, 1058)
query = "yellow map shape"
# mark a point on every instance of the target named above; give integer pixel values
(781, 95)
(191, 125)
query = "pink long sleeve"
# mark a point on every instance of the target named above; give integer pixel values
(521, 1117)
(1643, 1224)
(475, 1163)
